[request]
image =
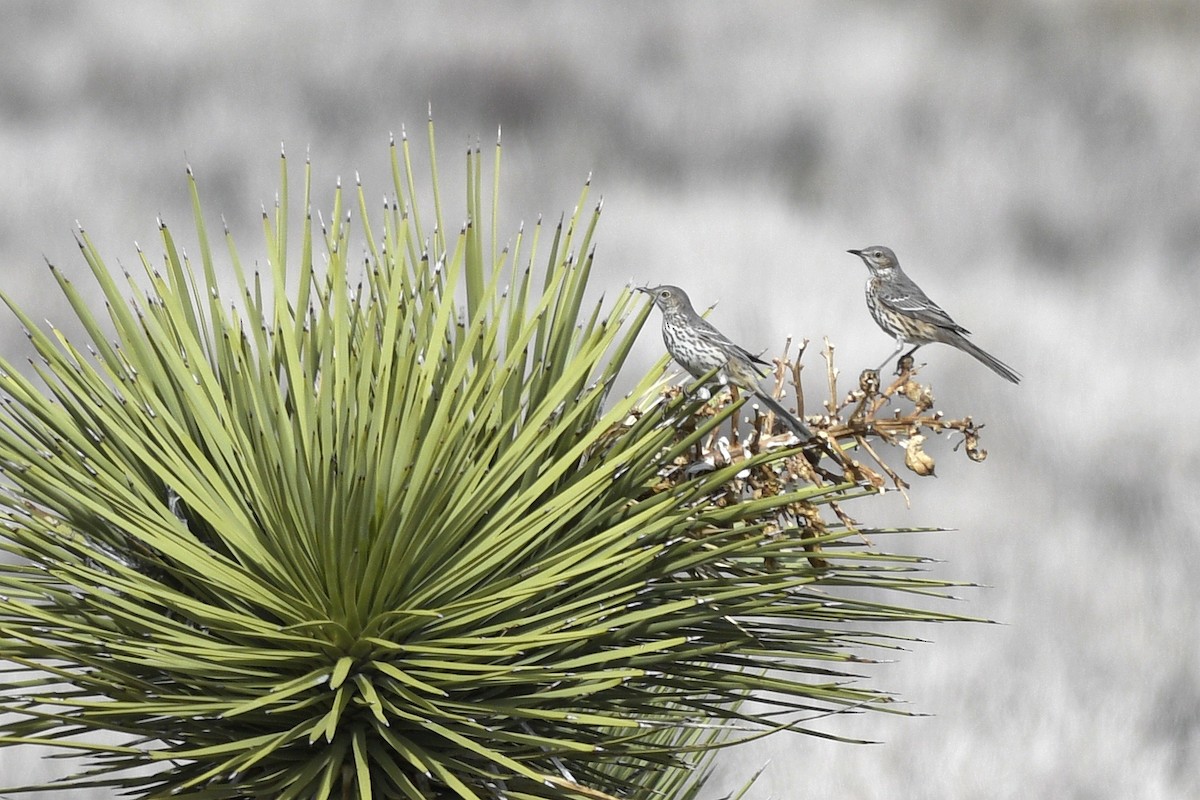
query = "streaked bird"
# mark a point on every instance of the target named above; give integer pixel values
(907, 313)
(700, 348)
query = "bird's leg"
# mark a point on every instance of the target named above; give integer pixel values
(900, 342)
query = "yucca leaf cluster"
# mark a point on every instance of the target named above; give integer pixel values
(370, 521)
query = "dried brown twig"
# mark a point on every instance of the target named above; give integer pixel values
(857, 424)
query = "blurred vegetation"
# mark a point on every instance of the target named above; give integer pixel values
(1066, 95)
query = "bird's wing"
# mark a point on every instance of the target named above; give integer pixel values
(908, 298)
(707, 332)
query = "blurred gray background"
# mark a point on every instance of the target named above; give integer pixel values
(1033, 163)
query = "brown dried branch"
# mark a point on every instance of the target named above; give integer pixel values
(858, 423)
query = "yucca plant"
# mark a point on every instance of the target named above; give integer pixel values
(376, 526)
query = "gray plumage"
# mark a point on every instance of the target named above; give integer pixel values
(700, 348)
(905, 312)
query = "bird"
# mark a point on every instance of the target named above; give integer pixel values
(700, 348)
(907, 313)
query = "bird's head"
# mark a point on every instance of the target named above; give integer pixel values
(669, 299)
(879, 259)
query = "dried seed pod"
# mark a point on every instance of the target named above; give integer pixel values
(971, 443)
(810, 527)
(868, 475)
(917, 459)
(920, 396)
(868, 382)
(800, 466)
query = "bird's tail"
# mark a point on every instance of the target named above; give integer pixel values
(994, 364)
(794, 423)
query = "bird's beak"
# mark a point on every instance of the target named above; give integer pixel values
(645, 289)
(855, 253)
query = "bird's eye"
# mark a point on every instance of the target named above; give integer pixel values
(878, 254)
(664, 294)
